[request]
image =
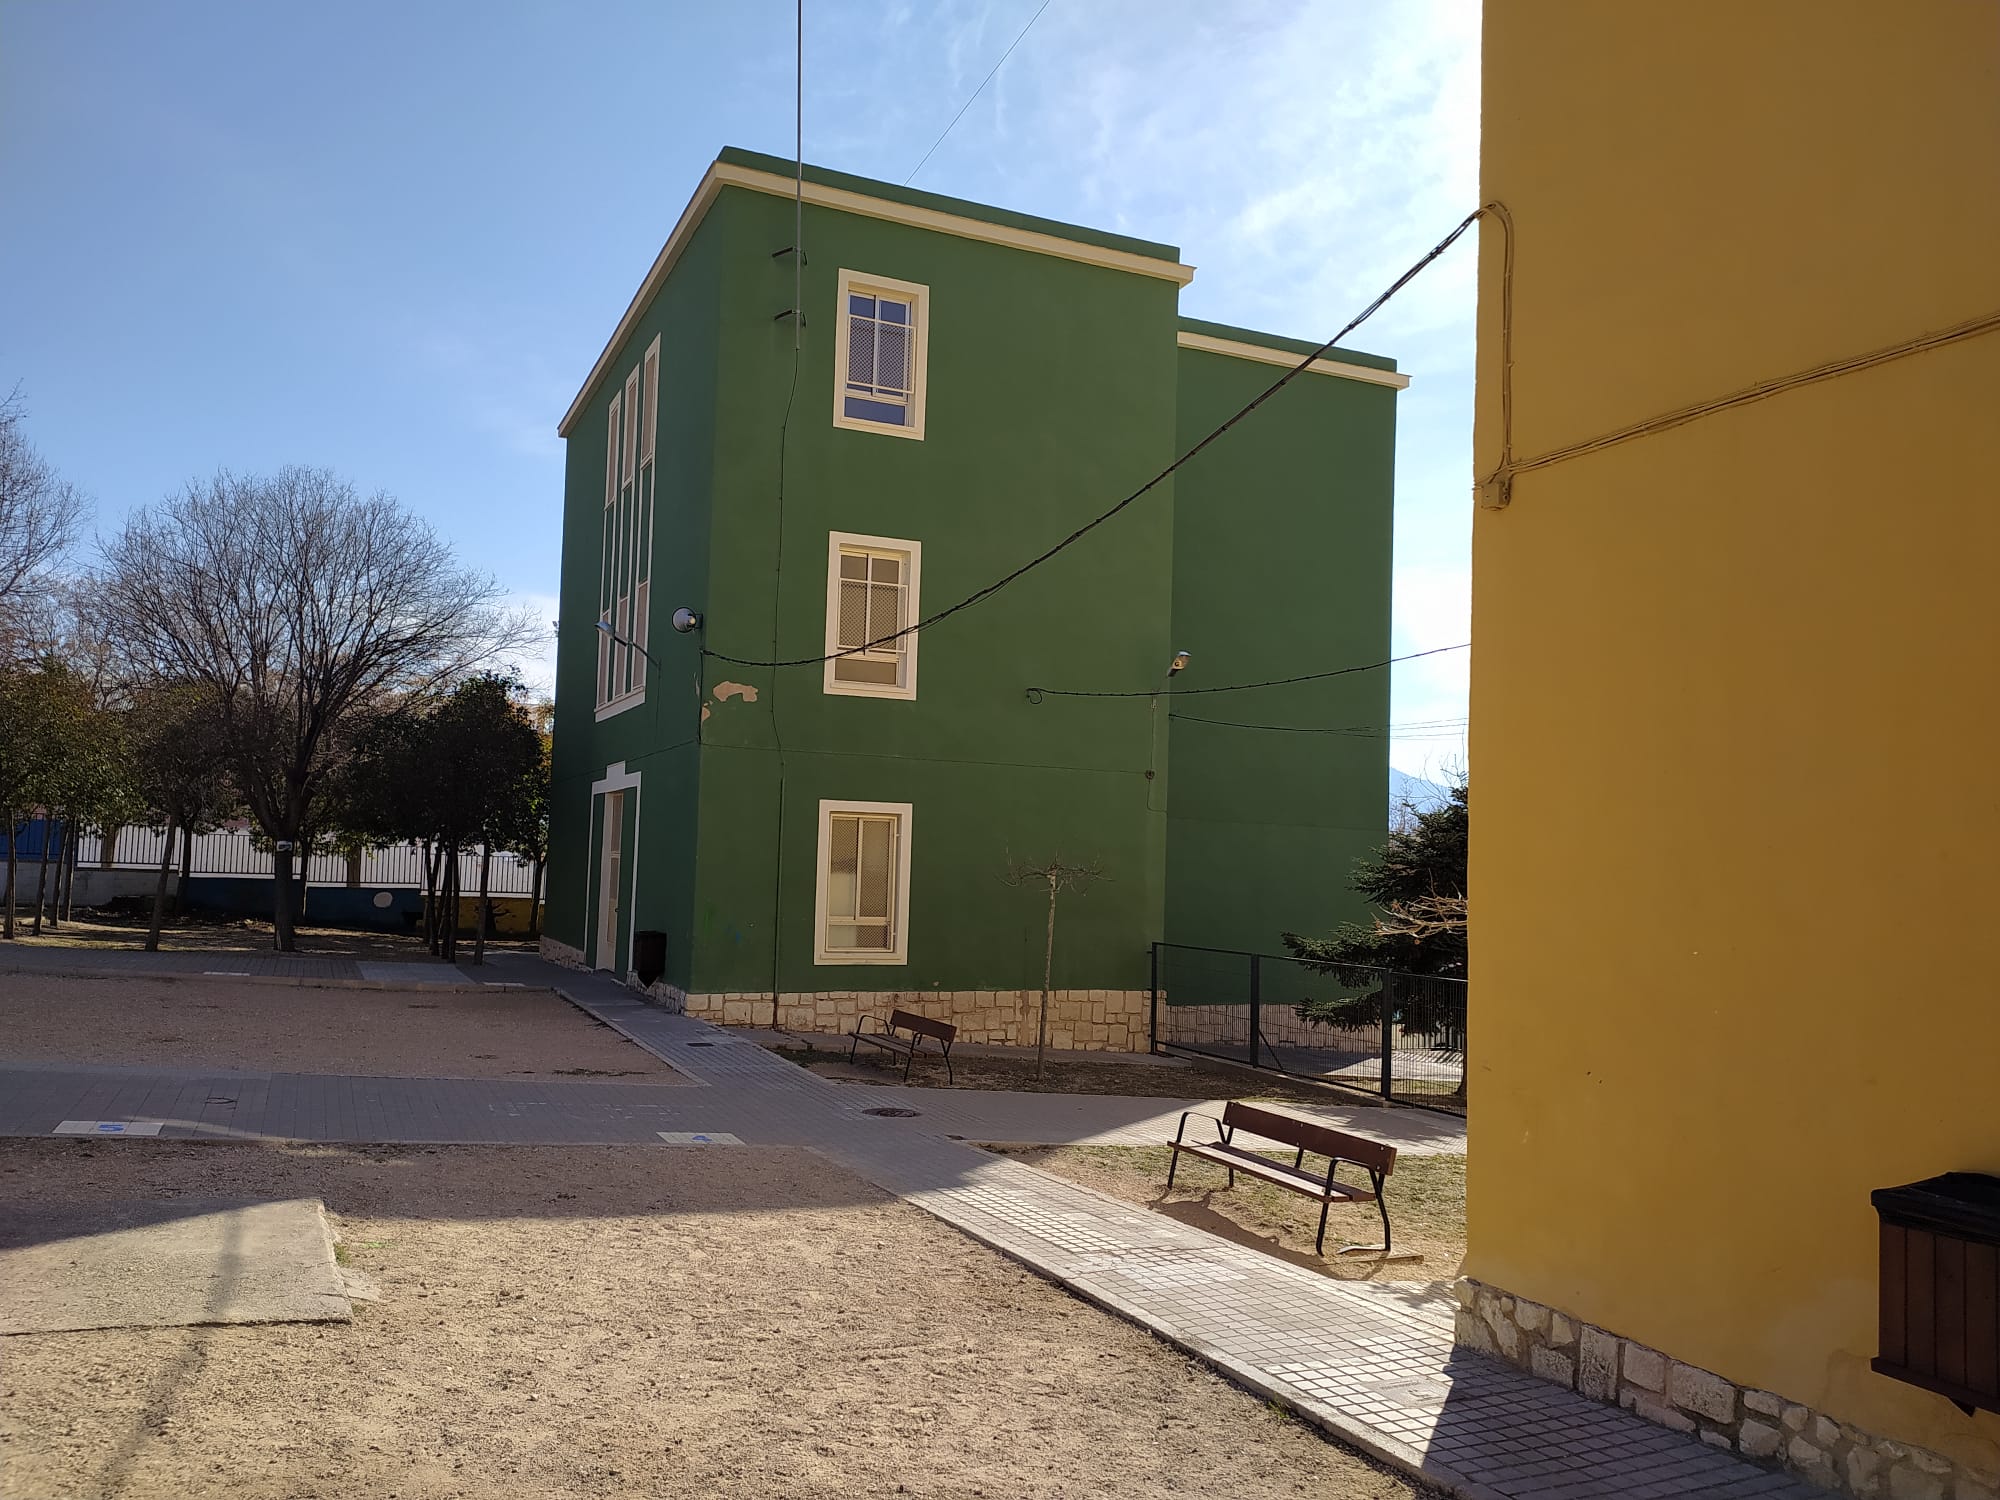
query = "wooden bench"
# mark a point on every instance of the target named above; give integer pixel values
(1372, 1157)
(918, 1027)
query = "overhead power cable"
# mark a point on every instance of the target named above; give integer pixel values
(1036, 694)
(977, 92)
(1305, 363)
(1353, 731)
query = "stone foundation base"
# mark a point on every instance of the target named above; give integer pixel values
(1757, 1424)
(1081, 1020)
(558, 952)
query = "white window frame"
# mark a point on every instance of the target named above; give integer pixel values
(859, 282)
(625, 549)
(912, 554)
(898, 951)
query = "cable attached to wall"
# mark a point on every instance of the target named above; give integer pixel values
(1036, 694)
(1291, 374)
(784, 447)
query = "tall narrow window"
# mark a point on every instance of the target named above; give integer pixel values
(624, 587)
(881, 349)
(871, 598)
(863, 886)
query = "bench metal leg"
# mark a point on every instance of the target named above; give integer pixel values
(1173, 1166)
(949, 1076)
(1386, 1248)
(909, 1061)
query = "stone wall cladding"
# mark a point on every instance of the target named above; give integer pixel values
(1079, 1020)
(561, 953)
(1757, 1424)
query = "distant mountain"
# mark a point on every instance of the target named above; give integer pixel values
(1414, 791)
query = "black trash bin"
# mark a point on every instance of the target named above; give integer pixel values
(649, 955)
(1940, 1287)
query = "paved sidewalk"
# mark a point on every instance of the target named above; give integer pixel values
(1373, 1364)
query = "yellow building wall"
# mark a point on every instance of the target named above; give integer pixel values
(1736, 872)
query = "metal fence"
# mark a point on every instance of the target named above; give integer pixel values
(1398, 1035)
(229, 851)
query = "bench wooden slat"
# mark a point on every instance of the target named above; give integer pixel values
(1321, 1140)
(906, 1047)
(1337, 1146)
(905, 1020)
(1308, 1184)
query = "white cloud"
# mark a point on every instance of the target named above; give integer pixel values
(1302, 154)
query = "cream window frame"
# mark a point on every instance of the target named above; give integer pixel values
(862, 284)
(912, 554)
(626, 546)
(898, 951)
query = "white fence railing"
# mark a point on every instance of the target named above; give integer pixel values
(232, 852)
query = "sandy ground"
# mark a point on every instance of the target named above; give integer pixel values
(1148, 1077)
(239, 1023)
(94, 930)
(1426, 1198)
(730, 1323)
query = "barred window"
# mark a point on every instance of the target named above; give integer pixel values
(864, 867)
(882, 347)
(871, 598)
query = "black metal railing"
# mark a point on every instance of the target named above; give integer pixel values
(1401, 1036)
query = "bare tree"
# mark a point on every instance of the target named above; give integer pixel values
(39, 516)
(1056, 876)
(300, 607)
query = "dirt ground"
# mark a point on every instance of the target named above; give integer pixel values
(1426, 1198)
(104, 930)
(729, 1323)
(1180, 1078)
(238, 1023)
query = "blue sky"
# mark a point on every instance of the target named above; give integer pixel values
(391, 238)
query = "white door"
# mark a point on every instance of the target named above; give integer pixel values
(608, 882)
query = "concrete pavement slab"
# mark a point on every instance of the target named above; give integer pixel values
(166, 1263)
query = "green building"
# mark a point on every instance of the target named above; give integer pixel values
(969, 386)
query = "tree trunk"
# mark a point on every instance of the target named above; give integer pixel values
(13, 866)
(160, 889)
(49, 826)
(187, 868)
(284, 935)
(66, 881)
(430, 896)
(1048, 975)
(485, 904)
(448, 904)
(535, 901)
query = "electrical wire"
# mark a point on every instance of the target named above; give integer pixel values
(976, 93)
(1501, 479)
(1036, 694)
(1358, 731)
(1143, 490)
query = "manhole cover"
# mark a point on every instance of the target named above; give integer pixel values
(891, 1112)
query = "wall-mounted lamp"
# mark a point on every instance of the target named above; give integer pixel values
(686, 619)
(1179, 662)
